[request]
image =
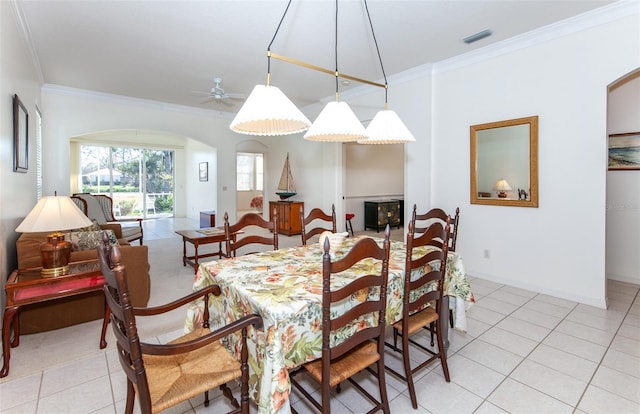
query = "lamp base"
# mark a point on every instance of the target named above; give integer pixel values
(55, 256)
(502, 194)
(55, 272)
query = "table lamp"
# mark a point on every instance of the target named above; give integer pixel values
(502, 186)
(54, 213)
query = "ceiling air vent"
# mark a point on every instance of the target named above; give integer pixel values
(477, 36)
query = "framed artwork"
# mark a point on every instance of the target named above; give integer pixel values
(624, 151)
(204, 171)
(20, 136)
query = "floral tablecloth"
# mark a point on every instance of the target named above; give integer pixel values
(285, 288)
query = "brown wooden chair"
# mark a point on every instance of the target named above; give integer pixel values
(248, 224)
(165, 375)
(317, 216)
(438, 215)
(362, 346)
(422, 299)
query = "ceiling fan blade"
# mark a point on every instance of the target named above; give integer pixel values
(207, 100)
(198, 93)
(236, 96)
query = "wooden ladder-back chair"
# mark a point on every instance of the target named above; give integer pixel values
(438, 215)
(247, 225)
(362, 343)
(318, 216)
(165, 375)
(422, 299)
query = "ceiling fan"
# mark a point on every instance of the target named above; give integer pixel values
(218, 95)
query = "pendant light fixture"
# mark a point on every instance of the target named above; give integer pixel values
(386, 127)
(336, 122)
(267, 111)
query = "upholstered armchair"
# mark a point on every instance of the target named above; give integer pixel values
(100, 208)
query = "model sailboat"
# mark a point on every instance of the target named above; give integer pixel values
(286, 186)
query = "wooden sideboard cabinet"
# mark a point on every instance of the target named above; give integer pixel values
(377, 214)
(288, 216)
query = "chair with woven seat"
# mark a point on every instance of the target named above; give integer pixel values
(438, 215)
(165, 375)
(253, 229)
(425, 267)
(100, 208)
(352, 341)
(319, 219)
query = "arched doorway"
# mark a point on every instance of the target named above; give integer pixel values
(622, 261)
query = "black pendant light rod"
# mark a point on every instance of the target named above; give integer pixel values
(271, 42)
(375, 41)
(335, 50)
(335, 72)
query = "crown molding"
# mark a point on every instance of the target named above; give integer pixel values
(584, 21)
(23, 28)
(127, 100)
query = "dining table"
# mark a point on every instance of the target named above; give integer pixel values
(284, 287)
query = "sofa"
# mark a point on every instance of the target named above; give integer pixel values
(82, 308)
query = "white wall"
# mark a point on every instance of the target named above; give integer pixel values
(623, 188)
(18, 75)
(73, 113)
(559, 247)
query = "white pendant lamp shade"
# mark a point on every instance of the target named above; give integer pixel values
(267, 112)
(336, 123)
(387, 128)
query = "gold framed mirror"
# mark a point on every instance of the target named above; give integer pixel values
(504, 163)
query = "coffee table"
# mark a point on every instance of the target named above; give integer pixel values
(198, 237)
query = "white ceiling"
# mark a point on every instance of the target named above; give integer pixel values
(168, 50)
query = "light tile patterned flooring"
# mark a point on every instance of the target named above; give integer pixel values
(523, 353)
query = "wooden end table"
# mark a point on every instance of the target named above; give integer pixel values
(27, 286)
(198, 237)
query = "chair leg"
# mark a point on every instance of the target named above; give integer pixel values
(451, 318)
(395, 339)
(226, 391)
(432, 327)
(384, 400)
(131, 397)
(407, 371)
(350, 227)
(206, 398)
(442, 351)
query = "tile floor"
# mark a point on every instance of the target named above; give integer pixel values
(523, 353)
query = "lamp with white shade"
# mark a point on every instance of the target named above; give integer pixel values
(502, 186)
(54, 213)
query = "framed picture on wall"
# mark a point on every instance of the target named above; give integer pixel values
(624, 151)
(204, 171)
(20, 136)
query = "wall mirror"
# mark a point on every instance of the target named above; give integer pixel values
(504, 163)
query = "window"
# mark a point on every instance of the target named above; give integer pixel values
(140, 180)
(249, 171)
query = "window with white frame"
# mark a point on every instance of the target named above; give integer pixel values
(249, 171)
